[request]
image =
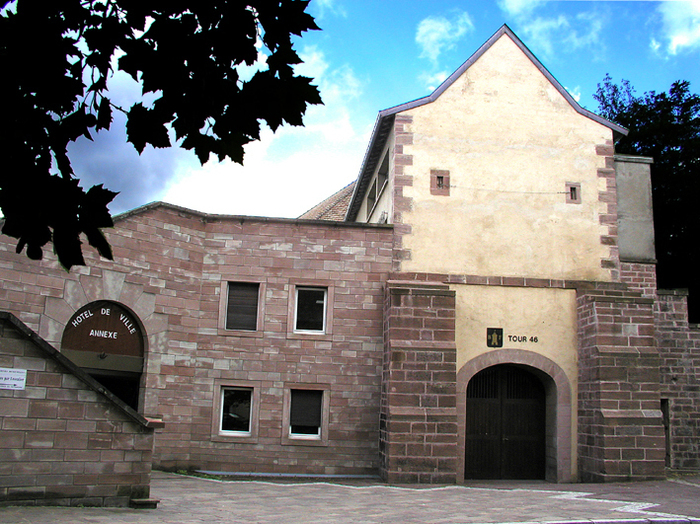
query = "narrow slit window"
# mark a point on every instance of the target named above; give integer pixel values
(573, 193)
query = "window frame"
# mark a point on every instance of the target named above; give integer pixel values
(378, 183)
(440, 182)
(223, 307)
(573, 192)
(327, 331)
(220, 435)
(290, 438)
(372, 198)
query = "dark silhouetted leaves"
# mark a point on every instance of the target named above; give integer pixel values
(184, 52)
(143, 127)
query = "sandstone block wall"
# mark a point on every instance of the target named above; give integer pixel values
(418, 425)
(352, 263)
(679, 347)
(62, 441)
(621, 433)
(678, 344)
(171, 267)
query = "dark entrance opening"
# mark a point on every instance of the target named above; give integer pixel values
(122, 384)
(505, 425)
(105, 339)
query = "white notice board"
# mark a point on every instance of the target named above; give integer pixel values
(12, 378)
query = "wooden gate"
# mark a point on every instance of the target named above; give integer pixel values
(505, 425)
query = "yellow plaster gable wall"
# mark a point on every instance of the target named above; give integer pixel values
(511, 142)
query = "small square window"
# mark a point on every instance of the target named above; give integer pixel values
(310, 309)
(242, 306)
(439, 182)
(305, 413)
(236, 409)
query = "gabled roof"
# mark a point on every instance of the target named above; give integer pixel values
(385, 119)
(332, 208)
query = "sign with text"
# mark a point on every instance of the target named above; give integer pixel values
(13, 378)
(495, 338)
(104, 327)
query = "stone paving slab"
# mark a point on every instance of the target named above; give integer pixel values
(189, 500)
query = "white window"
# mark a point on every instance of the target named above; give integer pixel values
(236, 409)
(310, 309)
(305, 413)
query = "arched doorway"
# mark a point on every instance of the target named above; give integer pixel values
(105, 339)
(505, 424)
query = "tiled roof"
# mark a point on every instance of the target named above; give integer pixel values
(332, 208)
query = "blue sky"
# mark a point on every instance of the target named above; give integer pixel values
(371, 55)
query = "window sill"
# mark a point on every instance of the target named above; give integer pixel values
(304, 441)
(239, 333)
(240, 438)
(308, 335)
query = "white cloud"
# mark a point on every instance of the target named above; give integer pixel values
(436, 34)
(329, 6)
(591, 24)
(575, 93)
(681, 25)
(548, 36)
(540, 33)
(519, 7)
(433, 80)
(290, 171)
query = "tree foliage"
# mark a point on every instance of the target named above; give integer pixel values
(198, 62)
(666, 127)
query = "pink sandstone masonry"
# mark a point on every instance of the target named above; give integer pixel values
(403, 136)
(418, 424)
(64, 441)
(621, 434)
(386, 363)
(609, 219)
(171, 267)
(679, 347)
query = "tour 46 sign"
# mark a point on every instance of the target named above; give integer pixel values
(496, 339)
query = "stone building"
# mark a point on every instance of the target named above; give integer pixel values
(480, 303)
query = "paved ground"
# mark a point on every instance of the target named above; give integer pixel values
(187, 500)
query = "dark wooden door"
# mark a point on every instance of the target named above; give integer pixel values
(505, 425)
